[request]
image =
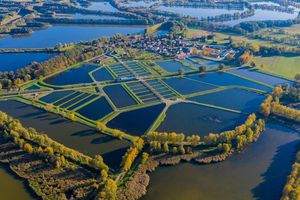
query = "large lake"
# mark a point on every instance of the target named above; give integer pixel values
(257, 173)
(65, 34)
(211, 12)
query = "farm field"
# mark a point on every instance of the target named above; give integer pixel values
(279, 65)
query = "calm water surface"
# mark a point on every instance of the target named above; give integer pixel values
(14, 61)
(197, 12)
(195, 119)
(65, 34)
(12, 187)
(257, 173)
(261, 15)
(74, 135)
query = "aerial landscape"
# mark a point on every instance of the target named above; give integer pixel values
(150, 99)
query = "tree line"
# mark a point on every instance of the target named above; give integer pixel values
(227, 141)
(291, 189)
(37, 70)
(40, 144)
(272, 105)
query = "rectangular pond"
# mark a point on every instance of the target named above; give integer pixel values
(185, 86)
(261, 77)
(96, 109)
(136, 122)
(74, 100)
(195, 119)
(236, 99)
(55, 96)
(119, 96)
(102, 75)
(72, 134)
(80, 103)
(172, 66)
(67, 98)
(224, 79)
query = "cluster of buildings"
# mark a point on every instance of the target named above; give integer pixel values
(216, 52)
(177, 47)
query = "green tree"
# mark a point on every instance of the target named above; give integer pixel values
(202, 69)
(221, 66)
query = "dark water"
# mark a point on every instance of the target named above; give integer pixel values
(172, 66)
(195, 119)
(236, 99)
(73, 76)
(67, 98)
(75, 100)
(185, 86)
(264, 78)
(74, 135)
(257, 173)
(136, 122)
(14, 61)
(54, 96)
(119, 96)
(102, 75)
(96, 110)
(80, 103)
(224, 79)
(65, 34)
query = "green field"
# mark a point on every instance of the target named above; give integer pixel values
(280, 65)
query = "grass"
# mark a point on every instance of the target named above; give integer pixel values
(279, 65)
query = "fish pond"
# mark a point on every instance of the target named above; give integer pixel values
(102, 75)
(96, 109)
(72, 134)
(236, 99)
(15, 61)
(119, 96)
(224, 79)
(191, 119)
(172, 66)
(261, 77)
(259, 172)
(55, 96)
(77, 75)
(136, 122)
(186, 86)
